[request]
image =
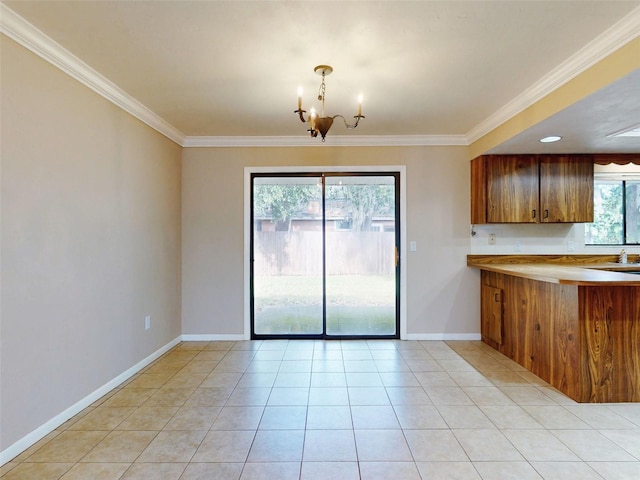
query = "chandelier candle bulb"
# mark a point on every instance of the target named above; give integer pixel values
(359, 105)
(312, 118)
(299, 98)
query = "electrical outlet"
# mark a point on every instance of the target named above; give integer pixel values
(571, 246)
(413, 246)
(518, 246)
(147, 322)
(492, 239)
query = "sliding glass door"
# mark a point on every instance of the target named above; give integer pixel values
(324, 256)
(287, 244)
(360, 255)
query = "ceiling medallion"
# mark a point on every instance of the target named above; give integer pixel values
(322, 123)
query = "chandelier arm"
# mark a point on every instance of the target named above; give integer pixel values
(301, 115)
(350, 125)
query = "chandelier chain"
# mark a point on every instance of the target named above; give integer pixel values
(321, 92)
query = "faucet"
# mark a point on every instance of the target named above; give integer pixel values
(623, 257)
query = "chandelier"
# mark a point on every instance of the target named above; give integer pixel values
(322, 124)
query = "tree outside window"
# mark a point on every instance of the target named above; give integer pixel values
(632, 213)
(616, 213)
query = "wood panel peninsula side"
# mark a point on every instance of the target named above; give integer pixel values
(574, 321)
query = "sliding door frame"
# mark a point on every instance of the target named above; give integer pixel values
(369, 170)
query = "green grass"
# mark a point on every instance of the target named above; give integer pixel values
(341, 290)
(356, 305)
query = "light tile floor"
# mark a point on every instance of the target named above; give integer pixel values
(337, 410)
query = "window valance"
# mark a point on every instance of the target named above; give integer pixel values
(617, 158)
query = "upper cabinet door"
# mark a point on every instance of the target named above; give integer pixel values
(566, 188)
(512, 189)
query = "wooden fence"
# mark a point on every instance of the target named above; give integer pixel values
(348, 253)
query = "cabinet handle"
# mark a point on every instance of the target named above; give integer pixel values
(533, 213)
(496, 297)
(546, 214)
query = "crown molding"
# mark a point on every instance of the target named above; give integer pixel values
(18, 29)
(331, 141)
(615, 37)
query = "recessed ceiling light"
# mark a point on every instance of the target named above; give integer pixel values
(627, 132)
(551, 139)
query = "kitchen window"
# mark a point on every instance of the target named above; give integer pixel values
(616, 210)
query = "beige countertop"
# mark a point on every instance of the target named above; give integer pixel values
(596, 274)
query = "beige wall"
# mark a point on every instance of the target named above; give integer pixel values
(90, 204)
(442, 293)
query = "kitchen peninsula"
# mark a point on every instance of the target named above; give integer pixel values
(574, 321)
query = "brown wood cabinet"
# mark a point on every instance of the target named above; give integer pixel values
(566, 188)
(491, 326)
(532, 189)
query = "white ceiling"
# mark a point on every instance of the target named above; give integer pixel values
(425, 68)
(585, 126)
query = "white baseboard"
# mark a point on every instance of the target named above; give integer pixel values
(236, 337)
(443, 336)
(25, 442)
